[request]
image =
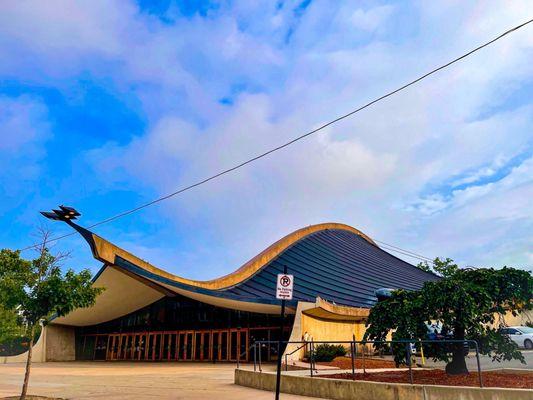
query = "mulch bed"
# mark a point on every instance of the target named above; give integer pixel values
(439, 377)
(370, 363)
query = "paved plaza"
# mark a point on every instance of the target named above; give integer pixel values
(123, 380)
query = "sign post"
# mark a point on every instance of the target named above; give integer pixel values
(284, 287)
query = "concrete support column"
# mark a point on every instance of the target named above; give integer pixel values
(60, 343)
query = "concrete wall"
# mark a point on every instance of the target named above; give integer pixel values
(320, 329)
(60, 343)
(338, 389)
(56, 343)
(39, 351)
(297, 333)
(333, 330)
(520, 319)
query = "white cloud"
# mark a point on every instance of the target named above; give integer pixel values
(24, 129)
(374, 170)
(361, 170)
(371, 19)
(22, 122)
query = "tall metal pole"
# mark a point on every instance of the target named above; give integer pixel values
(363, 359)
(282, 317)
(408, 359)
(312, 357)
(478, 365)
(260, 362)
(352, 345)
(255, 356)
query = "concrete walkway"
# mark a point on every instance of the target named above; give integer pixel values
(123, 380)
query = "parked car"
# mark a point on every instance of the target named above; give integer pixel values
(436, 332)
(521, 335)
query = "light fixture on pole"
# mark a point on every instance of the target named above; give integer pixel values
(64, 213)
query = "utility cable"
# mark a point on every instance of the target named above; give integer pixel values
(296, 139)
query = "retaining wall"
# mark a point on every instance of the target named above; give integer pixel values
(341, 389)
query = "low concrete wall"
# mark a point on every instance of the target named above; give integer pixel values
(340, 389)
(38, 355)
(56, 343)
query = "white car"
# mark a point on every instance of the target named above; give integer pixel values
(521, 335)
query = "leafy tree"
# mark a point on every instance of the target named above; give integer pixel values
(10, 325)
(12, 272)
(39, 289)
(469, 304)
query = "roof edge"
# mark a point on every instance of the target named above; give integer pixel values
(106, 252)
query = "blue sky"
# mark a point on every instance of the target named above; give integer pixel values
(106, 105)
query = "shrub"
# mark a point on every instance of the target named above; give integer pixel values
(328, 352)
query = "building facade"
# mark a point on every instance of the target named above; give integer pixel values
(147, 314)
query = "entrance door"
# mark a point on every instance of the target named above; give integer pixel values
(224, 345)
(100, 350)
(172, 346)
(215, 345)
(113, 347)
(206, 346)
(189, 346)
(220, 345)
(143, 344)
(233, 345)
(198, 345)
(153, 347)
(158, 347)
(136, 350)
(165, 346)
(243, 345)
(124, 347)
(181, 346)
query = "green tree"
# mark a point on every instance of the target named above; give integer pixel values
(469, 303)
(39, 289)
(10, 325)
(12, 271)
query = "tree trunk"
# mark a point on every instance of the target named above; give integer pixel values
(28, 366)
(458, 364)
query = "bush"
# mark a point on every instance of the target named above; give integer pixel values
(328, 352)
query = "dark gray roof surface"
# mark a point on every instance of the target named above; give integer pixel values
(337, 265)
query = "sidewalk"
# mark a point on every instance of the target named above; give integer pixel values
(131, 381)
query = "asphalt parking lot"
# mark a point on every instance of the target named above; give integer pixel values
(487, 364)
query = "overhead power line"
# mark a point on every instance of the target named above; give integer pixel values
(297, 139)
(396, 249)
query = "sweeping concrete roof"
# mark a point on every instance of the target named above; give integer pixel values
(333, 261)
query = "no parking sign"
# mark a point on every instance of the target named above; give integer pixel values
(284, 287)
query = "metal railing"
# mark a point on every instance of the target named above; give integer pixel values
(243, 354)
(353, 352)
(290, 354)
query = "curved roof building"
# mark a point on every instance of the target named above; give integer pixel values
(146, 313)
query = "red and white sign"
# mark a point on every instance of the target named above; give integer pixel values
(284, 287)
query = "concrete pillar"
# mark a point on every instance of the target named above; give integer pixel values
(60, 343)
